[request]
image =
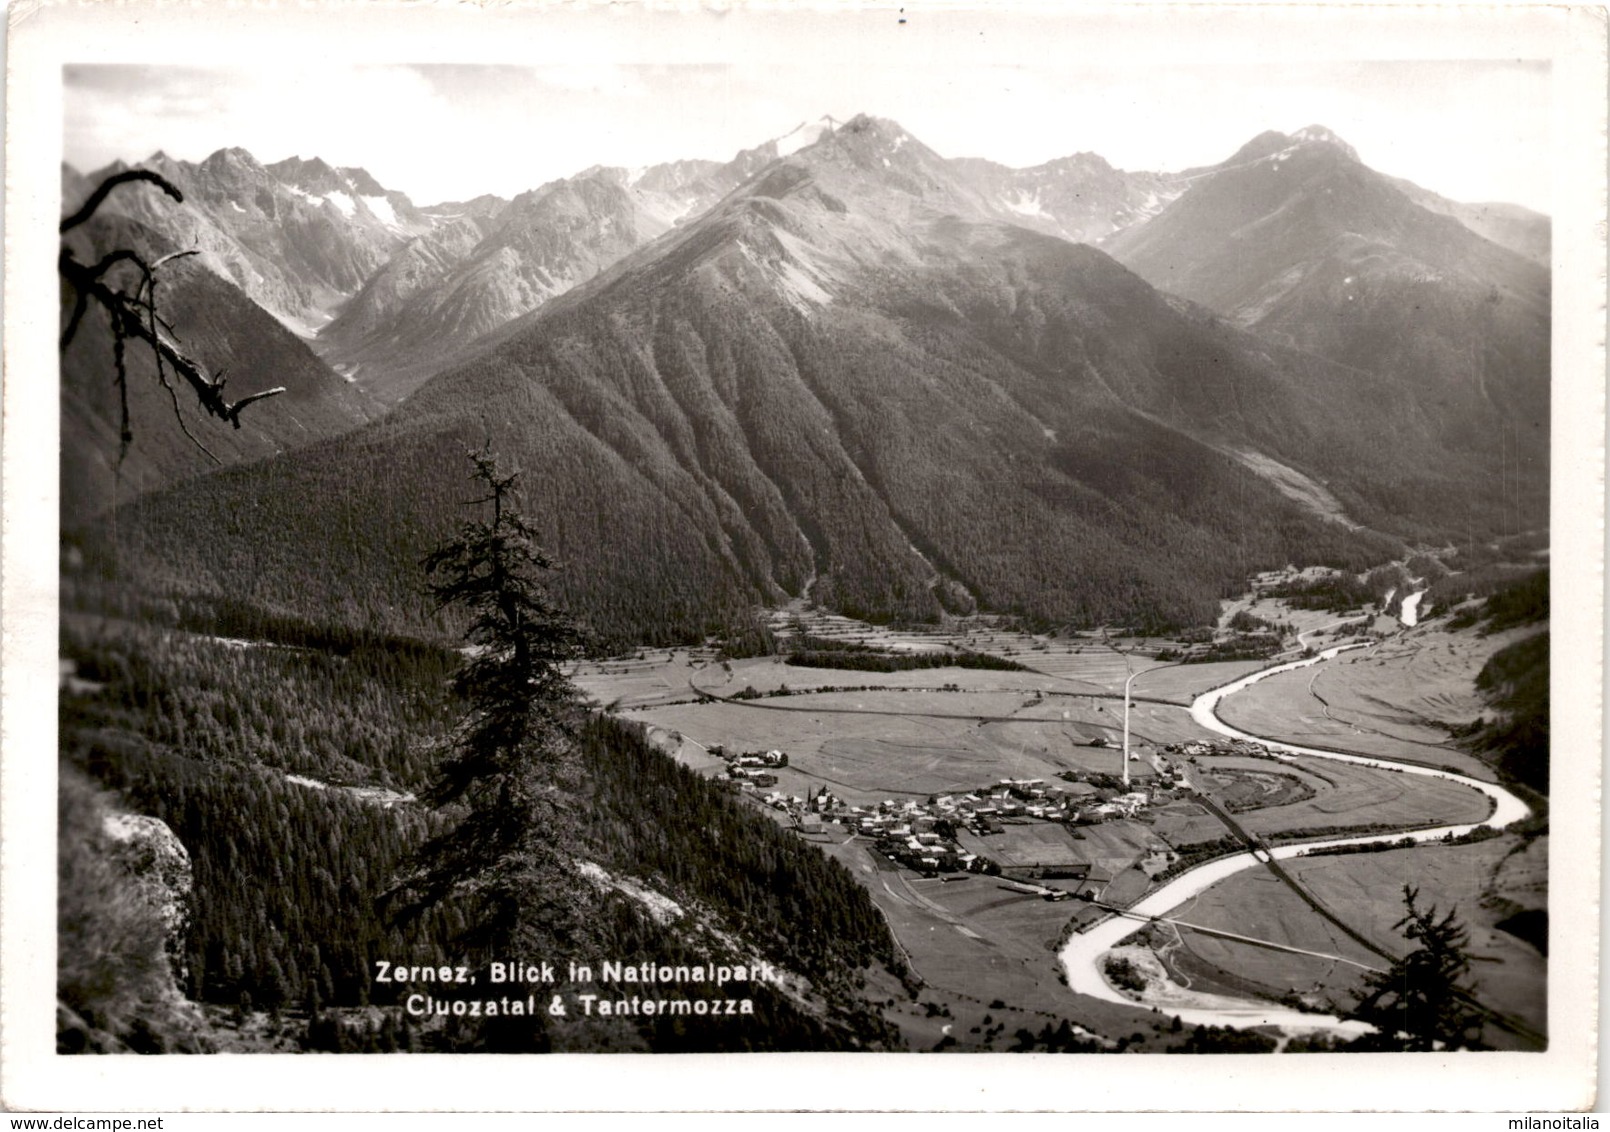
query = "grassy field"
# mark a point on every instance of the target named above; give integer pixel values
(986, 956)
(1116, 844)
(920, 767)
(1086, 660)
(1081, 657)
(766, 674)
(1363, 796)
(687, 752)
(865, 758)
(1255, 903)
(660, 676)
(1110, 847)
(872, 745)
(1391, 700)
(1287, 707)
(1034, 843)
(1186, 823)
(1090, 665)
(1367, 890)
(1241, 790)
(1182, 683)
(1314, 773)
(1152, 725)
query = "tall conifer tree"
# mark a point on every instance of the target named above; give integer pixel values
(508, 772)
(1421, 1002)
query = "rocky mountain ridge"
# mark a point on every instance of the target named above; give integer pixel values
(844, 378)
(298, 237)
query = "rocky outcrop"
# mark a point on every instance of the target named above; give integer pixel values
(124, 883)
(158, 866)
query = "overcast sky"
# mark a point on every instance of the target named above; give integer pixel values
(1471, 130)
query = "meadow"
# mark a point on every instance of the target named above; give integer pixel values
(1366, 796)
(908, 735)
(1255, 903)
(1397, 699)
(1365, 890)
(986, 957)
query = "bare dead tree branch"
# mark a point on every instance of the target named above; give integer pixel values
(173, 395)
(80, 305)
(173, 256)
(125, 317)
(105, 187)
(135, 316)
(150, 306)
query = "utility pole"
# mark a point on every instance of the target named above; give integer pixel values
(1127, 683)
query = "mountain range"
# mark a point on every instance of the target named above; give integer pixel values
(224, 331)
(844, 365)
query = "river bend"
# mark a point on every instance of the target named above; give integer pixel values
(1082, 955)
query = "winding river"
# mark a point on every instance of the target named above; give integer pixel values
(1082, 955)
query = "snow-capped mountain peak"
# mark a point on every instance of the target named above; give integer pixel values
(804, 134)
(1322, 134)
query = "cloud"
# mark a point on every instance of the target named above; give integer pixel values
(1468, 130)
(594, 78)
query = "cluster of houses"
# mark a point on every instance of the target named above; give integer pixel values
(1222, 747)
(922, 835)
(752, 769)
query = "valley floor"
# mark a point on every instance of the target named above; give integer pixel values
(986, 947)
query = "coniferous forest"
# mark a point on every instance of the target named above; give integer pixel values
(282, 772)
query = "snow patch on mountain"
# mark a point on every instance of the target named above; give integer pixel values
(382, 211)
(802, 135)
(343, 202)
(1025, 204)
(1324, 135)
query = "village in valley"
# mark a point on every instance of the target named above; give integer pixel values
(927, 836)
(947, 835)
(989, 788)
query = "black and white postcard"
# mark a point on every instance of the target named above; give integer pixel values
(1018, 535)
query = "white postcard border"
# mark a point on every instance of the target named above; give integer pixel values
(42, 38)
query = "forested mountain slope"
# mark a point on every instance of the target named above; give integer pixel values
(835, 380)
(1297, 240)
(289, 775)
(222, 330)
